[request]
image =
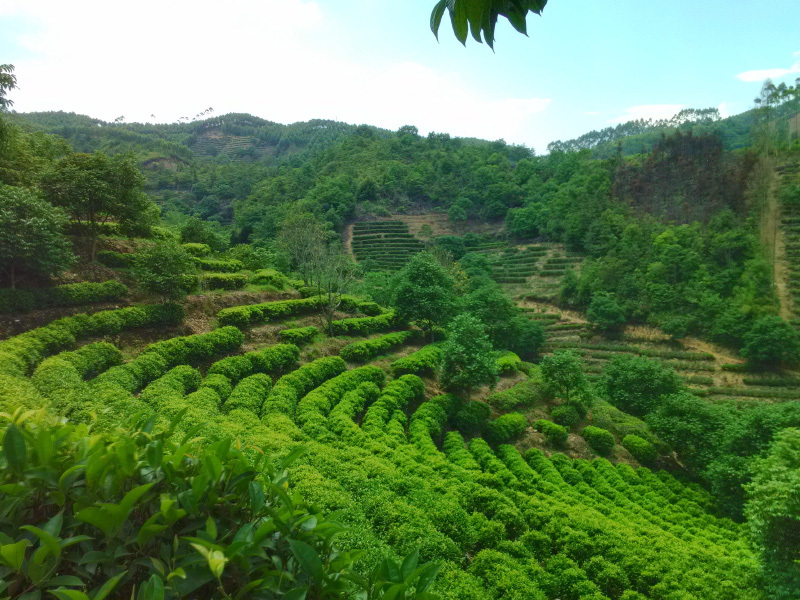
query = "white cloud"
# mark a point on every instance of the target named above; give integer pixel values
(760, 75)
(648, 111)
(275, 59)
(724, 110)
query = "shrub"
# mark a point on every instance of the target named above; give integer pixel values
(273, 359)
(566, 415)
(299, 335)
(640, 449)
(197, 249)
(368, 349)
(224, 281)
(424, 361)
(73, 294)
(556, 434)
(636, 385)
(115, 260)
(505, 428)
(290, 388)
(202, 346)
(220, 265)
(524, 392)
(252, 314)
(601, 440)
(605, 314)
(508, 363)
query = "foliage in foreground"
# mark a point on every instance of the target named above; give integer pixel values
(147, 514)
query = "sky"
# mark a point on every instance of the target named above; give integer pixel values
(585, 65)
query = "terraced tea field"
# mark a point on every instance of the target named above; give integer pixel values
(386, 245)
(396, 460)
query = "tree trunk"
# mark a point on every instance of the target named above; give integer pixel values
(93, 249)
(12, 273)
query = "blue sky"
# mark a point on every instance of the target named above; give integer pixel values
(587, 64)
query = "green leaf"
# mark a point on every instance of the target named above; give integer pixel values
(459, 19)
(256, 496)
(12, 555)
(108, 586)
(436, 17)
(69, 580)
(65, 594)
(475, 9)
(290, 458)
(394, 592)
(48, 541)
(154, 589)
(296, 594)
(308, 559)
(15, 449)
(409, 564)
(211, 528)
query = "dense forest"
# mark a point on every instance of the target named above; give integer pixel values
(240, 359)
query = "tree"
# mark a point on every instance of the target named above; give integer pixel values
(32, 237)
(335, 275)
(198, 231)
(771, 341)
(479, 17)
(467, 358)
(302, 237)
(424, 292)
(636, 385)
(605, 314)
(96, 189)
(8, 81)
(166, 270)
(773, 513)
(563, 374)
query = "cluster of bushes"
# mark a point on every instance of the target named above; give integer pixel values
(640, 449)
(424, 361)
(314, 407)
(341, 418)
(270, 277)
(291, 387)
(19, 354)
(556, 434)
(601, 440)
(224, 281)
(364, 325)
(299, 335)
(55, 376)
(428, 421)
(394, 397)
(505, 428)
(275, 359)
(367, 349)
(472, 417)
(217, 264)
(73, 294)
(116, 260)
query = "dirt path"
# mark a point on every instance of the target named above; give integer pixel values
(347, 238)
(772, 235)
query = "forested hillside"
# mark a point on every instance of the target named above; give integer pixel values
(240, 359)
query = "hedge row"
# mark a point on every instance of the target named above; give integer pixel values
(73, 294)
(556, 434)
(57, 374)
(314, 408)
(341, 418)
(270, 277)
(290, 388)
(172, 386)
(194, 348)
(299, 335)
(424, 361)
(224, 281)
(505, 428)
(276, 359)
(252, 314)
(395, 396)
(365, 325)
(640, 449)
(20, 354)
(429, 420)
(523, 393)
(367, 349)
(197, 249)
(220, 265)
(115, 260)
(249, 394)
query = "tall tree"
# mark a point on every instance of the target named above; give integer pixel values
(302, 237)
(424, 292)
(96, 189)
(467, 358)
(32, 240)
(335, 274)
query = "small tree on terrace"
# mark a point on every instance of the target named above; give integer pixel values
(95, 189)
(563, 374)
(335, 275)
(770, 342)
(605, 314)
(302, 237)
(31, 236)
(467, 358)
(424, 292)
(167, 271)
